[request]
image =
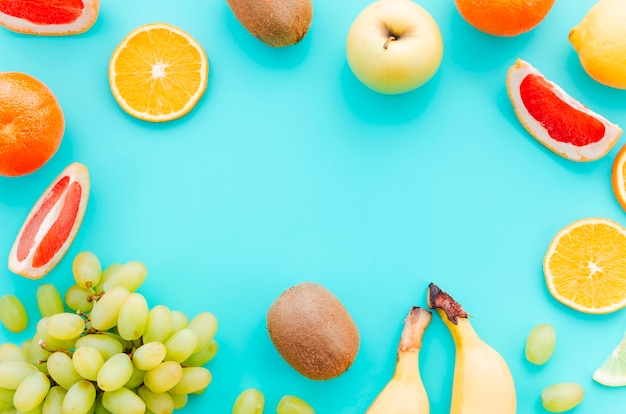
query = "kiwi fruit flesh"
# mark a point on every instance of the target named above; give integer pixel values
(276, 23)
(313, 331)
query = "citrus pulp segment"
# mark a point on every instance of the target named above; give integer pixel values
(52, 224)
(585, 266)
(555, 119)
(618, 177)
(158, 73)
(612, 372)
(49, 17)
(31, 124)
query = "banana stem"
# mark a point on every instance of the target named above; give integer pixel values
(440, 300)
(415, 324)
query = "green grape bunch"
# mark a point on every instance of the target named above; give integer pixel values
(110, 354)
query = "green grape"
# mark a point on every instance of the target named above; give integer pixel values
(79, 398)
(99, 408)
(61, 369)
(14, 372)
(12, 313)
(106, 310)
(540, 344)
(115, 372)
(250, 401)
(86, 269)
(125, 344)
(149, 355)
(181, 345)
(31, 391)
(179, 321)
(105, 344)
(87, 362)
(37, 355)
(53, 403)
(159, 324)
(65, 326)
(136, 379)
(290, 404)
(194, 379)
(6, 399)
(123, 401)
(561, 397)
(79, 299)
(130, 275)
(204, 325)
(161, 402)
(49, 300)
(164, 377)
(132, 318)
(203, 356)
(106, 273)
(50, 342)
(180, 400)
(12, 352)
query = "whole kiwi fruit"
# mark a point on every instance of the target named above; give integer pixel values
(313, 331)
(276, 23)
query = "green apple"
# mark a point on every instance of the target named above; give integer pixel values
(394, 46)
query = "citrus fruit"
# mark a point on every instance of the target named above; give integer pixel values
(52, 224)
(504, 17)
(31, 124)
(49, 17)
(600, 41)
(618, 177)
(158, 72)
(555, 119)
(612, 372)
(585, 266)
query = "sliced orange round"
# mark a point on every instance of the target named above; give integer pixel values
(555, 119)
(52, 224)
(585, 266)
(49, 17)
(618, 177)
(158, 72)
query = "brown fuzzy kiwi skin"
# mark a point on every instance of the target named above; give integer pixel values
(276, 23)
(313, 331)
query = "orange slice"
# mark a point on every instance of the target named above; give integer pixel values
(52, 224)
(585, 266)
(618, 177)
(49, 17)
(158, 73)
(555, 119)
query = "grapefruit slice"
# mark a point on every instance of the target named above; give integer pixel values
(555, 119)
(618, 177)
(49, 17)
(52, 224)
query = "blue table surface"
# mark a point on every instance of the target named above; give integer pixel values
(290, 170)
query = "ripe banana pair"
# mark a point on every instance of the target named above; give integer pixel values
(482, 383)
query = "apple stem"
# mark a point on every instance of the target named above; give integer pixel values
(389, 39)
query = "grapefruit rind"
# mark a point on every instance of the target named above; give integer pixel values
(550, 277)
(193, 98)
(77, 173)
(82, 24)
(618, 177)
(589, 152)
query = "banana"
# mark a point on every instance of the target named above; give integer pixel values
(482, 383)
(405, 392)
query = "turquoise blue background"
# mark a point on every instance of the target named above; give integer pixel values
(290, 170)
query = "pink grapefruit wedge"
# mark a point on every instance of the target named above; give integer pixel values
(52, 224)
(555, 119)
(49, 17)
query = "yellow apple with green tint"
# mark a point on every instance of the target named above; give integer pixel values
(394, 46)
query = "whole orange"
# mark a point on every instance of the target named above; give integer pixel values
(504, 17)
(31, 124)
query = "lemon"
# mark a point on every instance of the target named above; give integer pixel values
(612, 372)
(600, 40)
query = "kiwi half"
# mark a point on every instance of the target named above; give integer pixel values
(313, 331)
(276, 23)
